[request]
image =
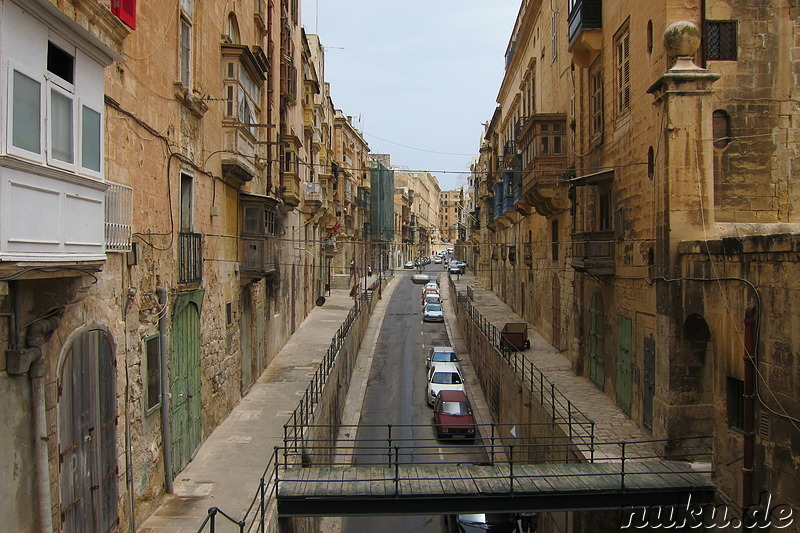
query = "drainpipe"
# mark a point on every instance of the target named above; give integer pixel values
(749, 404)
(166, 432)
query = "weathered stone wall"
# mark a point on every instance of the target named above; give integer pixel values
(762, 270)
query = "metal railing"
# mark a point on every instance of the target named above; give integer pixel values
(562, 410)
(190, 257)
(395, 453)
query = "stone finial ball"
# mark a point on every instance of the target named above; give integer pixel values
(682, 38)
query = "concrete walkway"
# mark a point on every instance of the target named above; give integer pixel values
(227, 468)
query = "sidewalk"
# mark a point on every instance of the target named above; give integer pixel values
(611, 423)
(226, 469)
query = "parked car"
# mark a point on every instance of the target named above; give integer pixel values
(437, 260)
(456, 267)
(409, 264)
(481, 523)
(426, 292)
(452, 415)
(442, 354)
(443, 376)
(431, 298)
(433, 312)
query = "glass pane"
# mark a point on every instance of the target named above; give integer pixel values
(26, 121)
(61, 124)
(91, 141)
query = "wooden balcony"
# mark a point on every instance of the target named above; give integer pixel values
(585, 31)
(257, 258)
(593, 252)
(240, 146)
(290, 185)
(312, 195)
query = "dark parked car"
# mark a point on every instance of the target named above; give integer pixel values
(452, 415)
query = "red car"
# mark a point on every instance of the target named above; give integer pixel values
(452, 415)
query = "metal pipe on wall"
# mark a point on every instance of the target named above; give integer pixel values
(166, 432)
(749, 404)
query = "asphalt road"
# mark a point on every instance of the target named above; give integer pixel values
(395, 395)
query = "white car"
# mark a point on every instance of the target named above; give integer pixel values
(409, 264)
(442, 354)
(433, 312)
(443, 376)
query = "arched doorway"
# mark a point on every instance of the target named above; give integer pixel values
(87, 433)
(597, 340)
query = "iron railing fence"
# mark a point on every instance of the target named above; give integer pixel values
(561, 408)
(400, 457)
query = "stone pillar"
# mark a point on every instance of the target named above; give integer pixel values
(684, 182)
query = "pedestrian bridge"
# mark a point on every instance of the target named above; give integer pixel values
(506, 487)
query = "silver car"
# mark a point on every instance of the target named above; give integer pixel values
(433, 312)
(442, 354)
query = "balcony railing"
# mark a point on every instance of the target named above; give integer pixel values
(190, 257)
(593, 252)
(119, 218)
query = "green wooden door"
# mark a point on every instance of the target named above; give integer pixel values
(185, 384)
(597, 340)
(624, 382)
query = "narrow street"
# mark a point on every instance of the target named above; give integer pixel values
(395, 395)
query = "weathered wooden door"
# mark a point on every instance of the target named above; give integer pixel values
(87, 433)
(246, 340)
(649, 391)
(624, 382)
(597, 326)
(185, 384)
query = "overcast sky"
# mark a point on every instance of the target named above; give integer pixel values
(419, 73)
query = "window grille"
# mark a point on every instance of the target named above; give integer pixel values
(119, 218)
(721, 40)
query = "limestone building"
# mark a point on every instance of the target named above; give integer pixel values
(636, 203)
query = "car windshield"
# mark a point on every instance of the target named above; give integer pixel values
(444, 357)
(456, 408)
(433, 307)
(446, 378)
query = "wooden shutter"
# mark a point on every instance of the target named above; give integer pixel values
(125, 10)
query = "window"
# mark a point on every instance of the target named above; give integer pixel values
(735, 401)
(229, 314)
(242, 94)
(26, 113)
(651, 162)
(554, 239)
(186, 51)
(623, 70)
(257, 219)
(721, 128)
(152, 373)
(721, 40)
(60, 63)
(186, 203)
(125, 10)
(596, 101)
(649, 36)
(233, 29)
(554, 34)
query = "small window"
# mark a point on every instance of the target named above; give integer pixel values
(554, 34)
(233, 29)
(91, 139)
(605, 211)
(651, 162)
(735, 401)
(186, 203)
(596, 101)
(721, 40)
(721, 128)
(60, 63)
(62, 126)
(26, 114)
(229, 314)
(554, 239)
(152, 370)
(649, 36)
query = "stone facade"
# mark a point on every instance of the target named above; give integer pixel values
(217, 172)
(607, 153)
